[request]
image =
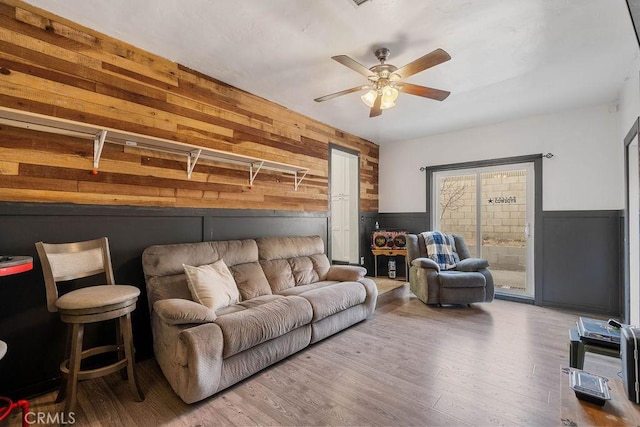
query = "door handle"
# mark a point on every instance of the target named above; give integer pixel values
(527, 230)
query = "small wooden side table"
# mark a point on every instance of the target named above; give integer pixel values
(619, 411)
(390, 252)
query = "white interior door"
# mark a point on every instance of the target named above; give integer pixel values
(344, 207)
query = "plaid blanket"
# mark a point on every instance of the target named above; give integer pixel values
(441, 248)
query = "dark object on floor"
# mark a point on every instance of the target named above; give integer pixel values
(590, 388)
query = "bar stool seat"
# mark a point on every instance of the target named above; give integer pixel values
(65, 262)
(97, 297)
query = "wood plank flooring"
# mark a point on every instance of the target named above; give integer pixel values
(411, 364)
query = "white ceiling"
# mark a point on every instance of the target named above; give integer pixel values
(510, 58)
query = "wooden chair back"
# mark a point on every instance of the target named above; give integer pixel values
(62, 262)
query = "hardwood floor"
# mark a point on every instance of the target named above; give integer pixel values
(412, 364)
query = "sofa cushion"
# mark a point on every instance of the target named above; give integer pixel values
(331, 298)
(250, 303)
(279, 274)
(305, 255)
(289, 247)
(163, 287)
(303, 272)
(166, 260)
(275, 317)
(164, 274)
(346, 273)
(212, 285)
(297, 290)
(459, 279)
(250, 280)
(321, 265)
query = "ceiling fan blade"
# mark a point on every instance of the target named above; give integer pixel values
(436, 57)
(342, 92)
(354, 65)
(375, 109)
(426, 92)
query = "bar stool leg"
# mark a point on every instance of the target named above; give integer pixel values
(62, 391)
(125, 326)
(120, 342)
(77, 335)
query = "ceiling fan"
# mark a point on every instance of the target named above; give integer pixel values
(385, 80)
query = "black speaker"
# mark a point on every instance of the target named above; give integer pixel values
(630, 366)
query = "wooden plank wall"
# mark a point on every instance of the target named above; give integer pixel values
(52, 66)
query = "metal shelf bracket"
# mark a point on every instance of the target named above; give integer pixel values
(98, 145)
(297, 180)
(252, 174)
(192, 159)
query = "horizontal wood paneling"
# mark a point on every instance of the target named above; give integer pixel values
(52, 66)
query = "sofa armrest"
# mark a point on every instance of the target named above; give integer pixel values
(176, 311)
(426, 263)
(471, 264)
(346, 273)
(197, 368)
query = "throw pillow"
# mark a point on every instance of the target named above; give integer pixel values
(212, 285)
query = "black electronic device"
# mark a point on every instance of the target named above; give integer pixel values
(614, 323)
(389, 239)
(630, 366)
(598, 332)
(589, 387)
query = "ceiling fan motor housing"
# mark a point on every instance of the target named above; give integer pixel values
(382, 54)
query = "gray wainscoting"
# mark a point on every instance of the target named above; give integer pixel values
(36, 338)
(582, 261)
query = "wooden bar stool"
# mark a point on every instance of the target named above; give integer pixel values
(69, 261)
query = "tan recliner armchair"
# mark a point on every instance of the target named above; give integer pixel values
(470, 281)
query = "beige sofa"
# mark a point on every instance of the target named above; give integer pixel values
(290, 297)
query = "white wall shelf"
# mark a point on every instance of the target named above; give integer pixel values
(101, 135)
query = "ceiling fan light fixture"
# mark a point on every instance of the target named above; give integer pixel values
(389, 96)
(370, 97)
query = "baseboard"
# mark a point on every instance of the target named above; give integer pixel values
(514, 298)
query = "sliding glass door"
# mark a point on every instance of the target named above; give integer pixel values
(493, 209)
